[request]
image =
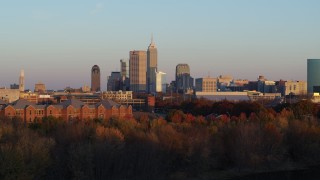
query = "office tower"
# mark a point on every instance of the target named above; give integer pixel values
(114, 82)
(124, 68)
(184, 81)
(207, 84)
(160, 82)
(137, 72)
(313, 75)
(40, 87)
(21, 81)
(152, 63)
(95, 79)
(124, 75)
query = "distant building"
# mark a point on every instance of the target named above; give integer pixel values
(14, 86)
(95, 79)
(117, 95)
(184, 81)
(251, 86)
(266, 86)
(238, 96)
(124, 75)
(313, 75)
(9, 95)
(258, 96)
(137, 73)
(240, 82)
(40, 88)
(161, 82)
(114, 82)
(85, 89)
(207, 84)
(152, 64)
(223, 82)
(220, 96)
(292, 87)
(21, 81)
(29, 96)
(124, 68)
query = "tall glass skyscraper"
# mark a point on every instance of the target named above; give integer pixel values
(137, 71)
(184, 82)
(313, 75)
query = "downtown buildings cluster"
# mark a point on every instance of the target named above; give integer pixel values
(139, 81)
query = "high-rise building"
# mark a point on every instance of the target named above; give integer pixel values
(313, 75)
(207, 84)
(184, 81)
(161, 82)
(152, 64)
(95, 79)
(124, 75)
(137, 72)
(21, 81)
(114, 82)
(124, 68)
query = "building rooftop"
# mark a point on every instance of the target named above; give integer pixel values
(73, 102)
(22, 103)
(108, 104)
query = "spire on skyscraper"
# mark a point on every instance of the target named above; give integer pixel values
(151, 37)
(152, 44)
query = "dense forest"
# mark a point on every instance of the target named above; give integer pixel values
(196, 139)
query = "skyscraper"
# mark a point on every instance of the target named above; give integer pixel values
(160, 82)
(184, 82)
(124, 75)
(152, 64)
(313, 75)
(21, 80)
(114, 82)
(124, 68)
(137, 72)
(95, 78)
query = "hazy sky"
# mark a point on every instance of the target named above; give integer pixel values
(57, 42)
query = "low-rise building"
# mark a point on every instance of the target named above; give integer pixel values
(220, 96)
(72, 109)
(117, 95)
(206, 84)
(9, 95)
(292, 87)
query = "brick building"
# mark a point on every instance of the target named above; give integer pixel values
(71, 109)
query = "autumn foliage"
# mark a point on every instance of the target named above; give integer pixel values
(196, 139)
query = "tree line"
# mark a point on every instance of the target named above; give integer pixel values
(187, 143)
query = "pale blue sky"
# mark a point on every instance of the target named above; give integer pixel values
(57, 42)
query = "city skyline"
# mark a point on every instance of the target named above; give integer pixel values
(53, 40)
